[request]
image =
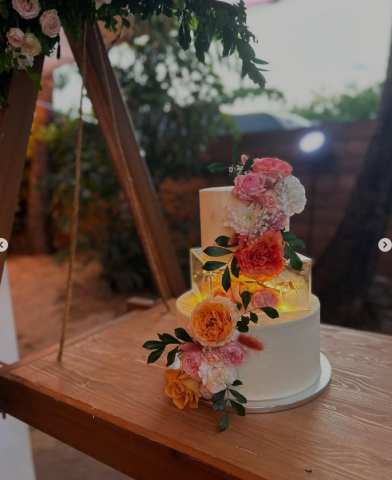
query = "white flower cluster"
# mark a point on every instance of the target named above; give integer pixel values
(252, 220)
(295, 193)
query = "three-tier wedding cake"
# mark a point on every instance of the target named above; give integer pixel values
(248, 331)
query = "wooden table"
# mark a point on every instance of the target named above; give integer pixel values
(105, 401)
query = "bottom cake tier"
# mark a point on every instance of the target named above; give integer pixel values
(289, 367)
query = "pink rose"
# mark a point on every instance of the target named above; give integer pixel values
(205, 392)
(272, 166)
(15, 37)
(211, 356)
(249, 187)
(27, 9)
(269, 200)
(233, 354)
(265, 298)
(99, 3)
(191, 362)
(278, 220)
(50, 23)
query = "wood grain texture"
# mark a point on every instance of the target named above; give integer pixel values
(162, 250)
(15, 128)
(104, 400)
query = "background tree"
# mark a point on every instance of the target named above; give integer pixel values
(175, 105)
(344, 273)
(350, 106)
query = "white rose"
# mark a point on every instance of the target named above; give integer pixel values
(24, 60)
(27, 9)
(215, 377)
(296, 198)
(31, 45)
(99, 3)
(50, 23)
(15, 37)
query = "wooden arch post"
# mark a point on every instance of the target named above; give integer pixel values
(15, 127)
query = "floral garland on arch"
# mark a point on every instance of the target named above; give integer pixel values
(217, 340)
(29, 27)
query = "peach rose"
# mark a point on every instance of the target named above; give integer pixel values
(263, 259)
(211, 355)
(15, 37)
(267, 297)
(213, 321)
(31, 45)
(27, 9)
(233, 354)
(272, 166)
(249, 187)
(191, 362)
(182, 389)
(50, 23)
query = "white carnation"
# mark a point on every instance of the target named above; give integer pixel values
(215, 377)
(295, 192)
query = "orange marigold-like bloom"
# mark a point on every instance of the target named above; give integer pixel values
(182, 389)
(213, 321)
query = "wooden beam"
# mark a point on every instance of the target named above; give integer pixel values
(15, 128)
(162, 252)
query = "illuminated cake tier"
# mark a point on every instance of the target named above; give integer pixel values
(290, 361)
(293, 287)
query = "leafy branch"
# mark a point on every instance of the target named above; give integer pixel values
(289, 254)
(219, 402)
(165, 339)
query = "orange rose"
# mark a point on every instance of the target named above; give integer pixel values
(213, 321)
(182, 389)
(263, 259)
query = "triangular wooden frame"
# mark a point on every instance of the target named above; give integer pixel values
(15, 128)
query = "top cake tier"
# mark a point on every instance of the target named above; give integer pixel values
(214, 203)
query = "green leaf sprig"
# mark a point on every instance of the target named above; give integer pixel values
(220, 400)
(289, 254)
(165, 339)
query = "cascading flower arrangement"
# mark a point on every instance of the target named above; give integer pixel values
(29, 27)
(217, 341)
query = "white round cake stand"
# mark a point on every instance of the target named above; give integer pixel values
(293, 401)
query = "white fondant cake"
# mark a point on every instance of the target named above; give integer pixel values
(290, 361)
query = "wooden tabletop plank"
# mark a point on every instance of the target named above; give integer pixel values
(104, 400)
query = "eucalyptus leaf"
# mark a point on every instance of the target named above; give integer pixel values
(220, 405)
(240, 398)
(216, 167)
(246, 298)
(212, 265)
(217, 251)
(155, 355)
(234, 155)
(253, 317)
(236, 383)
(222, 241)
(248, 165)
(270, 312)
(171, 356)
(183, 335)
(224, 422)
(242, 327)
(235, 270)
(153, 345)
(167, 338)
(238, 408)
(226, 279)
(218, 396)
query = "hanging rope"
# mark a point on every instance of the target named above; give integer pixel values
(130, 192)
(75, 206)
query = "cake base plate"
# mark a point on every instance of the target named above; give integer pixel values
(293, 401)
